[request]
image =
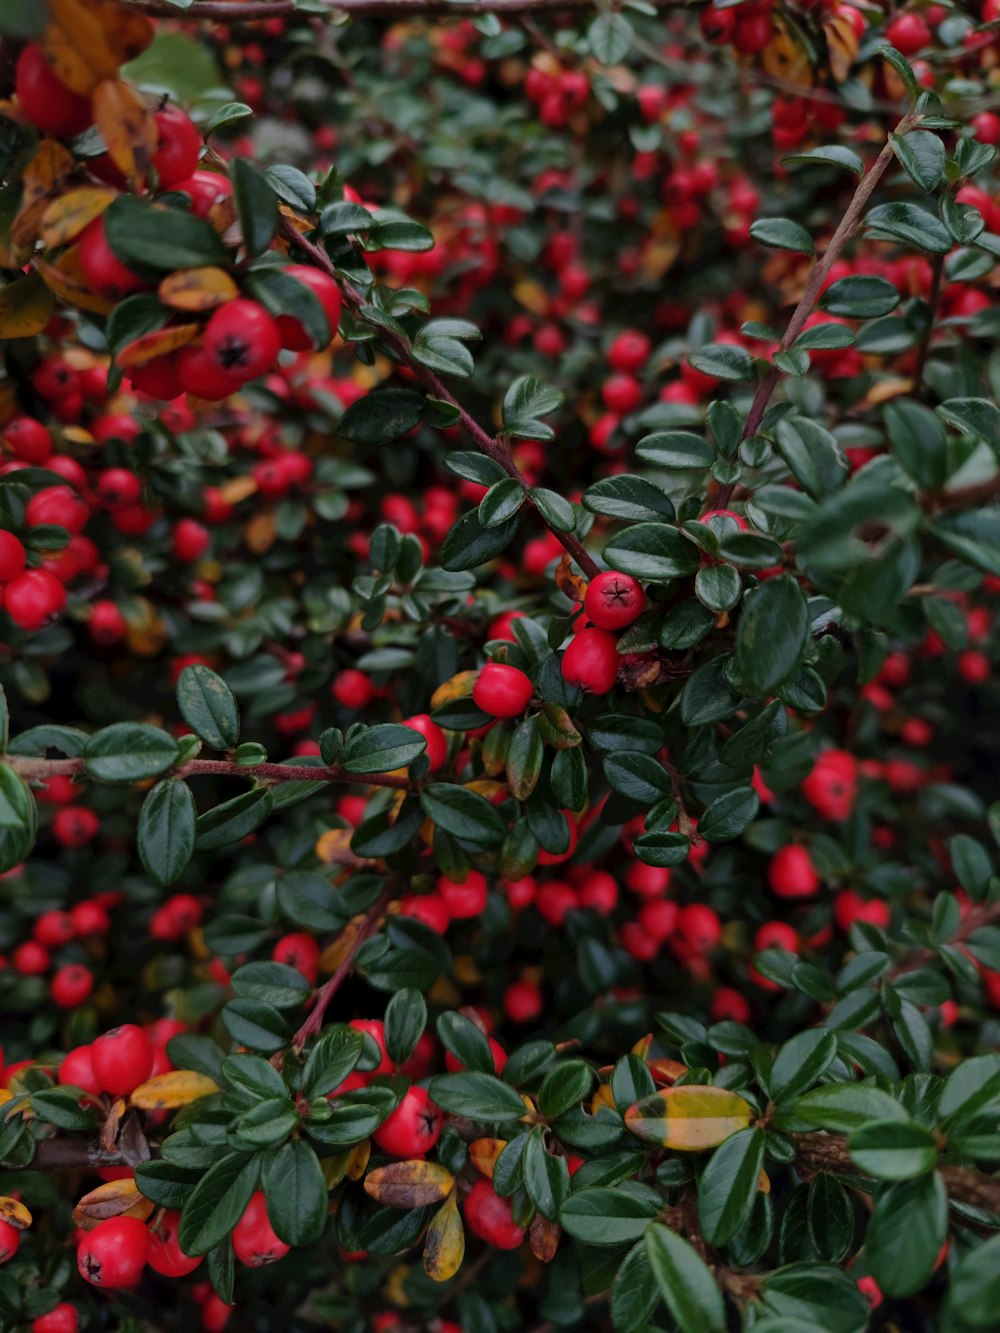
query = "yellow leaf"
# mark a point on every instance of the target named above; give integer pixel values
(260, 533)
(358, 1164)
(65, 278)
(127, 127)
(689, 1118)
(444, 1245)
(459, 687)
(6, 1095)
(14, 1213)
(168, 1091)
(409, 1184)
(50, 165)
(116, 1198)
(26, 307)
(786, 58)
(197, 289)
(147, 348)
(483, 1154)
(66, 217)
(85, 41)
(236, 488)
(334, 847)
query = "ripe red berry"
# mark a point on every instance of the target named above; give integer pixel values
(242, 340)
(10, 1239)
(522, 1001)
(352, 689)
(62, 1319)
(31, 959)
(54, 929)
(77, 1070)
(215, 1313)
(57, 504)
(48, 104)
(908, 33)
(102, 268)
(122, 1059)
(717, 25)
(191, 540)
(437, 742)
(466, 898)
(206, 189)
(294, 335)
(614, 600)
(792, 874)
(178, 147)
(255, 1241)
(71, 985)
(89, 918)
(502, 690)
(76, 825)
(29, 440)
(113, 1255)
(116, 486)
(832, 785)
(413, 1128)
(106, 623)
(298, 950)
(13, 557)
(165, 1254)
(491, 1218)
(200, 375)
(591, 661)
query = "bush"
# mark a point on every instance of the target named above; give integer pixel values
(500, 566)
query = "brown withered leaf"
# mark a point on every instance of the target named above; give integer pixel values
(543, 1237)
(14, 1213)
(127, 127)
(66, 217)
(412, 1184)
(444, 1244)
(116, 1198)
(42, 179)
(86, 41)
(786, 58)
(197, 289)
(842, 44)
(573, 585)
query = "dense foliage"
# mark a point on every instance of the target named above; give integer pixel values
(500, 564)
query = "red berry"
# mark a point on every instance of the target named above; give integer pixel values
(206, 189)
(200, 375)
(113, 1255)
(31, 959)
(792, 873)
(242, 340)
(413, 1128)
(254, 1239)
(63, 1319)
(832, 785)
(293, 333)
(10, 1239)
(352, 689)
(71, 985)
(522, 1001)
(48, 104)
(29, 440)
(179, 145)
(117, 486)
(76, 825)
(12, 556)
(908, 33)
(59, 505)
(77, 1070)
(466, 898)
(591, 661)
(298, 950)
(122, 1059)
(89, 918)
(215, 1313)
(502, 690)
(106, 622)
(614, 600)
(165, 1254)
(491, 1218)
(437, 742)
(54, 929)
(102, 268)
(375, 1028)
(191, 540)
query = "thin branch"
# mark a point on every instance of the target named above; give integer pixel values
(985, 915)
(40, 770)
(244, 11)
(364, 931)
(813, 287)
(485, 442)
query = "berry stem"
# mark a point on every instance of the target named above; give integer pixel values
(485, 442)
(366, 927)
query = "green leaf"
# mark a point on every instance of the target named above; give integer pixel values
(861, 296)
(218, 1202)
(893, 1149)
(166, 831)
(974, 536)
(272, 983)
(910, 225)
(771, 635)
(629, 497)
(296, 1193)
(381, 749)
(227, 114)
(724, 362)
(257, 1025)
(908, 1226)
(610, 38)
(841, 1107)
(728, 1185)
(901, 65)
(405, 1020)
(480, 1097)
(782, 234)
(557, 512)
(234, 819)
(129, 752)
(969, 1088)
(972, 416)
(282, 293)
(638, 776)
(603, 1216)
(524, 404)
(546, 1177)
(831, 155)
(918, 441)
(921, 154)
(801, 1062)
(501, 502)
(729, 815)
(685, 1282)
(466, 1041)
(675, 449)
(464, 814)
(564, 1087)
(635, 1294)
(974, 1290)
(257, 204)
(152, 236)
(309, 900)
(208, 707)
(19, 822)
(654, 552)
(334, 1056)
(381, 417)
(469, 544)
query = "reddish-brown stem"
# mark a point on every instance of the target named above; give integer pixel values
(810, 295)
(486, 443)
(364, 931)
(987, 914)
(40, 770)
(244, 11)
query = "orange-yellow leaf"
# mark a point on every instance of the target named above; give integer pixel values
(483, 1154)
(573, 585)
(689, 1118)
(158, 343)
(666, 1072)
(116, 1198)
(360, 1156)
(334, 847)
(65, 218)
(642, 1046)
(26, 306)
(603, 1096)
(127, 127)
(168, 1091)
(65, 278)
(459, 687)
(260, 533)
(197, 289)
(786, 58)
(236, 488)
(14, 1213)
(87, 40)
(409, 1184)
(842, 43)
(764, 1183)
(444, 1245)
(42, 179)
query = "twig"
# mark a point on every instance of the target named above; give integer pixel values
(40, 770)
(369, 925)
(244, 11)
(978, 917)
(485, 442)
